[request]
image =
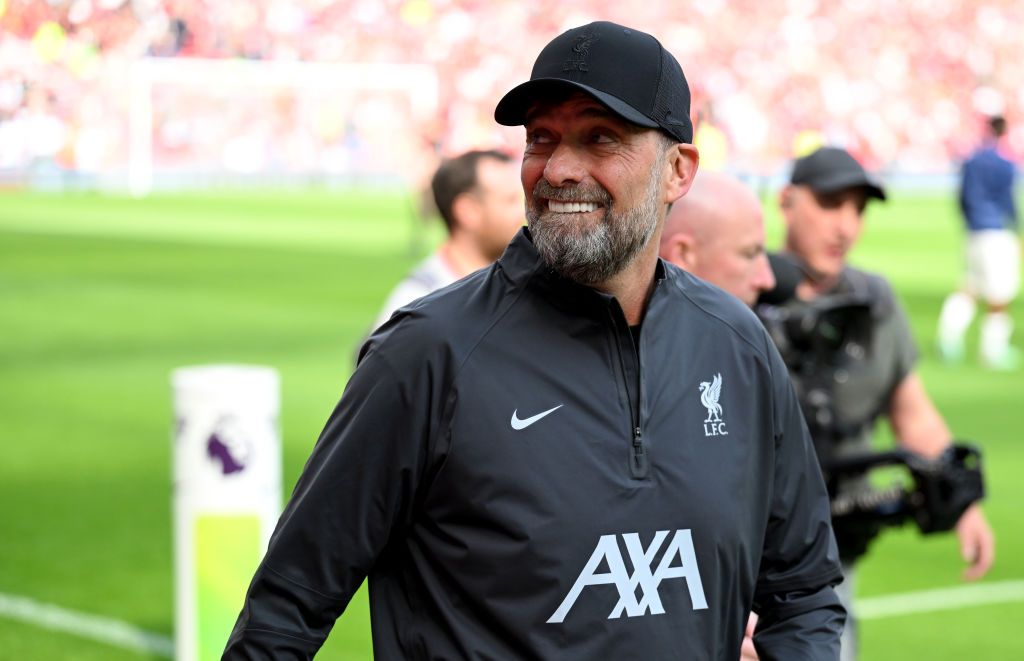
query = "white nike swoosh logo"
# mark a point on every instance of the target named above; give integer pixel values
(518, 424)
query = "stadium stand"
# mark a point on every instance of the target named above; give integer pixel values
(902, 84)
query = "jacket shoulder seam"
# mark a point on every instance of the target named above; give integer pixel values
(720, 318)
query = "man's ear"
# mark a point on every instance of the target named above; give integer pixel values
(786, 201)
(681, 168)
(681, 250)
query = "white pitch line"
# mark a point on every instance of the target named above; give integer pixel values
(102, 629)
(926, 601)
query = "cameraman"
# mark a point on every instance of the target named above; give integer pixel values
(823, 209)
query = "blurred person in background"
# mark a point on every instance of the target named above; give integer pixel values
(489, 536)
(480, 200)
(992, 256)
(716, 232)
(823, 210)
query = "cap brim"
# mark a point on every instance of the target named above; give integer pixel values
(512, 109)
(846, 180)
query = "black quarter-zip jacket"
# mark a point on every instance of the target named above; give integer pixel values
(518, 480)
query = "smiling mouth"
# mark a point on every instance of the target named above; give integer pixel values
(572, 207)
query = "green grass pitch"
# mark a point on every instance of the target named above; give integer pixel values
(101, 297)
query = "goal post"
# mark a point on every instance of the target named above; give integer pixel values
(231, 112)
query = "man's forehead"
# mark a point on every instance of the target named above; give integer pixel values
(574, 105)
(492, 173)
(857, 194)
(738, 224)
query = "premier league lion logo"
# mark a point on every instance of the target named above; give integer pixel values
(227, 446)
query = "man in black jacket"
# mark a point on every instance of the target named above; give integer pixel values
(580, 452)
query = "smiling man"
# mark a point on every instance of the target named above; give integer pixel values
(580, 452)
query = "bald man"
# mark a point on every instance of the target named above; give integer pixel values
(716, 232)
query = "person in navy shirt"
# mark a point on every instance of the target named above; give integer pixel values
(993, 256)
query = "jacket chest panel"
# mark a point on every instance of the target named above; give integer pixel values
(540, 448)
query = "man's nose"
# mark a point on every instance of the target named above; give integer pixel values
(848, 220)
(564, 166)
(764, 277)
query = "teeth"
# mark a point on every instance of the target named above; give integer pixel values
(571, 207)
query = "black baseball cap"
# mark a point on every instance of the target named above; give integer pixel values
(830, 170)
(625, 69)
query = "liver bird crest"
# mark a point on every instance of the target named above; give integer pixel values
(709, 393)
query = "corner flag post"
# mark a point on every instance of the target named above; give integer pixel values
(227, 496)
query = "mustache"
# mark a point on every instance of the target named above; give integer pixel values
(571, 193)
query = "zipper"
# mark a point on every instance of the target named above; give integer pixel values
(639, 465)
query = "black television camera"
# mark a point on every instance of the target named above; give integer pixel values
(941, 490)
(820, 341)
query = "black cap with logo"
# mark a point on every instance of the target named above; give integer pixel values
(626, 70)
(830, 170)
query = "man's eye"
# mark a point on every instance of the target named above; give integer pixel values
(536, 144)
(538, 138)
(600, 137)
(827, 201)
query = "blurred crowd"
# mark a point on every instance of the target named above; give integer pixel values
(901, 83)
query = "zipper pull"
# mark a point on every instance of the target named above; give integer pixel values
(638, 465)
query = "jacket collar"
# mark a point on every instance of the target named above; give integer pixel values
(523, 265)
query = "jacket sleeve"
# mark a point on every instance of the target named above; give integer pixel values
(355, 493)
(800, 614)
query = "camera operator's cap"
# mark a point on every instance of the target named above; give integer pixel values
(626, 70)
(830, 170)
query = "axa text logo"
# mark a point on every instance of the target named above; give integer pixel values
(678, 561)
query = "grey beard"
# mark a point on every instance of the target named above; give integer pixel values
(591, 253)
